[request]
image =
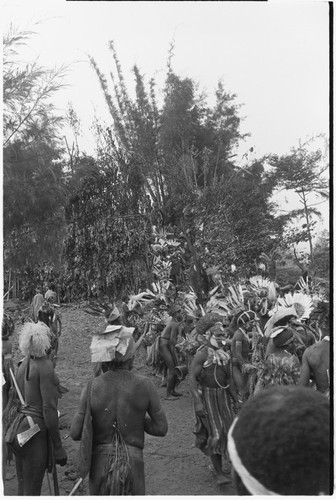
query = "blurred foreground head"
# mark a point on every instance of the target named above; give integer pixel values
(280, 443)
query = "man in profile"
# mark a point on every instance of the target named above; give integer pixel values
(124, 406)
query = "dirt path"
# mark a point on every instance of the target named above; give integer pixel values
(173, 466)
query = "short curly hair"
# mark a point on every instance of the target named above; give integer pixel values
(282, 437)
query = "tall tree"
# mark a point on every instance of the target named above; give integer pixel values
(33, 185)
(301, 171)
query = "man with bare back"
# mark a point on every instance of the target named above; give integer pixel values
(39, 386)
(124, 406)
(316, 360)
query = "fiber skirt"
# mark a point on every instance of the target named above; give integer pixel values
(211, 431)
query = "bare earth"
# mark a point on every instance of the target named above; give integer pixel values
(173, 466)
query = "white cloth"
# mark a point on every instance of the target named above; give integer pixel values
(252, 484)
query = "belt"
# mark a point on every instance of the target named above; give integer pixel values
(30, 410)
(109, 449)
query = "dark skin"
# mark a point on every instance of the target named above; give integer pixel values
(285, 351)
(206, 377)
(170, 333)
(40, 392)
(240, 349)
(134, 402)
(316, 365)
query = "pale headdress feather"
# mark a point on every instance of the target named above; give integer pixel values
(34, 339)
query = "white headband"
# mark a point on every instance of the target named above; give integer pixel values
(249, 481)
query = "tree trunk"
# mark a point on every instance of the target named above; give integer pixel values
(310, 240)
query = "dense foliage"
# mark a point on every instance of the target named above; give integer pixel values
(89, 223)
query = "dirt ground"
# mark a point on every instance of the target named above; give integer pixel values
(173, 466)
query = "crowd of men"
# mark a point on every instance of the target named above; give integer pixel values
(269, 434)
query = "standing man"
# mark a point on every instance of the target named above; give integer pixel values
(36, 304)
(240, 350)
(167, 343)
(123, 406)
(38, 384)
(212, 389)
(316, 360)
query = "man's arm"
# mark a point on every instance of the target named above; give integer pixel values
(239, 352)
(78, 420)
(49, 395)
(174, 331)
(155, 422)
(305, 372)
(195, 371)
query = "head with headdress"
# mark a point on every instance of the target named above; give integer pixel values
(284, 337)
(114, 347)
(176, 312)
(35, 339)
(216, 335)
(288, 425)
(246, 319)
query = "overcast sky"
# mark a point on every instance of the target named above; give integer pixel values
(273, 55)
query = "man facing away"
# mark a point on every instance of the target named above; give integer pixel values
(38, 384)
(124, 406)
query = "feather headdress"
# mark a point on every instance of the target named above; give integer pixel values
(279, 314)
(303, 304)
(34, 339)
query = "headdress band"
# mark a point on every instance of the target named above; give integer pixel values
(252, 484)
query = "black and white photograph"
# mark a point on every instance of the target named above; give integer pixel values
(166, 264)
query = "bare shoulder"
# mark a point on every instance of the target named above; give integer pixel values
(315, 351)
(238, 335)
(200, 356)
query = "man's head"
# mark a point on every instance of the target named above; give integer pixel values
(35, 340)
(216, 335)
(246, 319)
(284, 337)
(124, 361)
(280, 443)
(46, 313)
(176, 312)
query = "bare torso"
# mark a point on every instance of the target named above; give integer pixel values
(119, 395)
(318, 360)
(212, 376)
(40, 392)
(126, 398)
(241, 337)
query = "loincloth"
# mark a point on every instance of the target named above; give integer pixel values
(211, 430)
(112, 470)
